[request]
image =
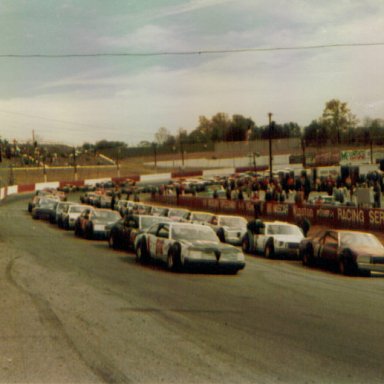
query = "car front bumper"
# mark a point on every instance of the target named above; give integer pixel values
(372, 267)
(221, 264)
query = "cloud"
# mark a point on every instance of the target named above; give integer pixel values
(190, 6)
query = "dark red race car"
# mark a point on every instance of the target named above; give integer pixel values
(352, 252)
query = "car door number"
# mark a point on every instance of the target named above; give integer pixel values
(159, 248)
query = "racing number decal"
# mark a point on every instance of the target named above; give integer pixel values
(159, 247)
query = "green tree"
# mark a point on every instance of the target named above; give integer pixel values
(162, 136)
(337, 119)
(239, 129)
(315, 133)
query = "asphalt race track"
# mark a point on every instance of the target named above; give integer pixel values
(74, 311)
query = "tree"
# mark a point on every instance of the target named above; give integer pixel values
(219, 126)
(239, 128)
(338, 119)
(144, 144)
(315, 133)
(162, 135)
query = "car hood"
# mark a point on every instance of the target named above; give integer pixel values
(289, 238)
(207, 245)
(235, 229)
(367, 251)
(104, 221)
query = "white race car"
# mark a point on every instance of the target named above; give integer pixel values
(229, 229)
(184, 244)
(272, 239)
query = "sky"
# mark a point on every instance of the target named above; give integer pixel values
(76, 71)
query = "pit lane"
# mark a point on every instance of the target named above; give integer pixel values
(75, 311)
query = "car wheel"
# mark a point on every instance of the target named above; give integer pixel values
(269, 251)
(307, 258)
(170, 261)
(346, 266)
(141, 253)
(173, 259)
(112, 241)
(89, 232)
(220, 235)
(245, 244)
(77, 230)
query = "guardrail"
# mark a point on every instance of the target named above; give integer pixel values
(338, 217)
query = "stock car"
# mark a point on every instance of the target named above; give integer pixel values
(201, 217)
(182, 245)
(45, 209)
(275, 238)
(229, 229)
(352, 252)
(70, 215)
(159, 211)
(122, 234)
(45, 194)
(179, 214)
(61, 207)
(92, 222)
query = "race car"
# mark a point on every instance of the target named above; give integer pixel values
(272, 239)
(352, 252)
(122, 234)
(45, 209)
(180, 245)
(92, 222)
(70, 215)
(229, 229)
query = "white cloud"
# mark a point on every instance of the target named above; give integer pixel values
(190, 6)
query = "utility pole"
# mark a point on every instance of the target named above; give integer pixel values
(270, 145)
(155, 154)
(75, 163)
(182, 153)
(117, 162)
(303, 148)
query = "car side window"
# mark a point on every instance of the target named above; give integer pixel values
(153, 230)
(163, 232)
(330, 240)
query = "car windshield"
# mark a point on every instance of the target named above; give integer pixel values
(177, 213)
(233, 222)
(201, 216)
(159, 211)
(76, 209)
(281, 229)
(193, 233)
(107, 215)
(146, 222)
(47, 203)
(359, 239)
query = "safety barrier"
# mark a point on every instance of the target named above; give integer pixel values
(335, 217)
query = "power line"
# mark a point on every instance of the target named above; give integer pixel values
(193, 52)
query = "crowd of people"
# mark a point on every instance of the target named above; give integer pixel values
(285, 187)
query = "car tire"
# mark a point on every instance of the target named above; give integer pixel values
(220, 235)
(78, 231)
(269, 251)
(112, 241)
(346, 266)
(307, 258)
(245, 244)
(89, 232)
(173, 259)
(141, 253)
